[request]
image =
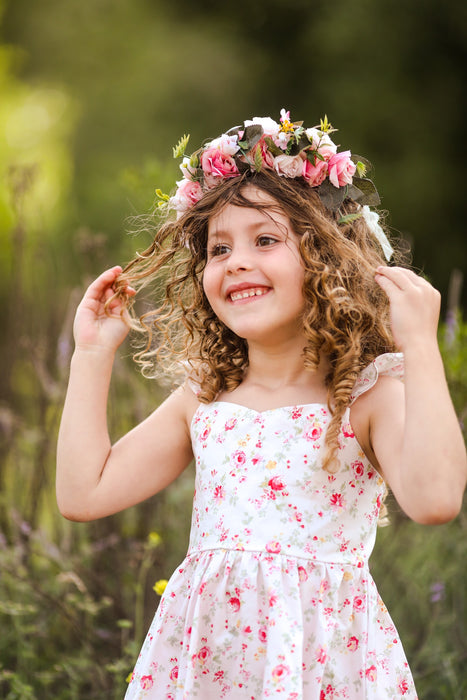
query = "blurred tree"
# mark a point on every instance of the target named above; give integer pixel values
(390, 74)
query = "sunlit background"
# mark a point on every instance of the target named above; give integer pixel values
(93, 95)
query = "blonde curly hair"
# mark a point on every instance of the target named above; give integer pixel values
(346, 314)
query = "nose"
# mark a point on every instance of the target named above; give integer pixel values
(239, 259)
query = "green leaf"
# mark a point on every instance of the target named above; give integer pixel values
(363, 191)
(313, 156)
(252, 135)
(332, 197)
(258, 160)
(303, 141)
(361, 169)
(194, 159)
(348, 218)
(359, 162)
(272, 148)
(179, 149)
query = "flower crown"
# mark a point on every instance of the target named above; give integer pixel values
(289, 149)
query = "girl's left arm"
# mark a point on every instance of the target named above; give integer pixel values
(422, 455)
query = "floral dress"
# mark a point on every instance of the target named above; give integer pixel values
(274, 598)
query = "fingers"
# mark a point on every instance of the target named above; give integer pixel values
(101, 289)
(400, 277)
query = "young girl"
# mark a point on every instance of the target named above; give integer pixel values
(279, 306)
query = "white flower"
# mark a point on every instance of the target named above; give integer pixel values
(226, 144)
(187, 169)
(269, 126)
(320, 139)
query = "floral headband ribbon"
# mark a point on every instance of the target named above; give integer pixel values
(289, 149)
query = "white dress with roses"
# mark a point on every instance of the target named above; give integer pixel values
(274, 598)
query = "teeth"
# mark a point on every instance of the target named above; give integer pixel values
(235, 296)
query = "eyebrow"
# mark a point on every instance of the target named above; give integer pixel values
(218, 233)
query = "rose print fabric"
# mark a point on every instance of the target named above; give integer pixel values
(274, 598)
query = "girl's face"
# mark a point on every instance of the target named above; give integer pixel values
(254, 273)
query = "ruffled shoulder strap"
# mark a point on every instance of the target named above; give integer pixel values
(391, 364)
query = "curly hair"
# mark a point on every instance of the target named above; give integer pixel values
(346, 313)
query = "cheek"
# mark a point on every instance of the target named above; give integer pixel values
(210, 285)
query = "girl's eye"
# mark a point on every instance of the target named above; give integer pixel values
(264, 241)
(218, 249)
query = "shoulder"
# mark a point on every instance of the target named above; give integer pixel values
(378, 399)
(390, 364)
(182, 404)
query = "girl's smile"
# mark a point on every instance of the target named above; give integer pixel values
(244, 292)
(254, 273)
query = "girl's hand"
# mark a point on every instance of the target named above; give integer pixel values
(414, 303)
(94, 326)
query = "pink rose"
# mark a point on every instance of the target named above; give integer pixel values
(358, 468)
(352, 644)
(273, 547)
(217, 164)
(174, 673)
(280, 671)
(187, 194)
(315, 174)
(359, 603)
(288, 166)
(302, 574)
(204, 654)
(313, 433)
(146, 682)
(234, 604)
(238, 458)
(371, 673)
(276, 483)
(321, 655)
(341, 169)
(262, 634)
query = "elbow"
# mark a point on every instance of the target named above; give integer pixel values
(70, 512)
(439, 512)
(74, 517)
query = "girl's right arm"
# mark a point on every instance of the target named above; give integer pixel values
(94, 478)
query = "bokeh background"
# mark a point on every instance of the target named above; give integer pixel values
(93, 95)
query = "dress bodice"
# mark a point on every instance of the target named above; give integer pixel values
(260, 484)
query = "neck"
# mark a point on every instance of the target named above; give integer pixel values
(273, 368)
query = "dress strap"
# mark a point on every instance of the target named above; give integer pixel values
(391, 364)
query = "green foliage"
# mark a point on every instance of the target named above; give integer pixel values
(58, 617)
(179, 149)
(419, 571)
